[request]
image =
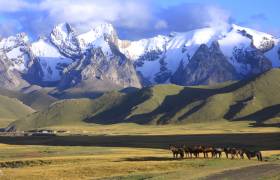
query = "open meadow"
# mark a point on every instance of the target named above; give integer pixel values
(129, 151)
(78, 162)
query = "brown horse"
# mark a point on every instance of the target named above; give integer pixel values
(192, 151)
(177, 151)
(234, 152)
(241, 153)
(227, 151)
(188, 151)
(251, 154)
(207, 150)
(217, 152)
(197, 150)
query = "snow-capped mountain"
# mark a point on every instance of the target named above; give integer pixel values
(51, 61)
(164, 54)
(186, 58)
(13, 61)
(13, 48)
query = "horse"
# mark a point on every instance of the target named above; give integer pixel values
(227, 151)
(197, 150)
(241, 153)
(217, 152)
(177, 151)
(251, 154)
(207, 150)
(188, 151)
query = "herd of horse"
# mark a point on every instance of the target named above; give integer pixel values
(195, 151)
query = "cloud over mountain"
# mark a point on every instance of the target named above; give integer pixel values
(133, 18)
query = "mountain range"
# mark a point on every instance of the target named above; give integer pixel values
(98, 60)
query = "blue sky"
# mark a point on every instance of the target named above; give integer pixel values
(137, 18)
(261, 14)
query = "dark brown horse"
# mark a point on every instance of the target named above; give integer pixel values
(251, 154)
(227, 151)
(241, 153)
(188, 151)
(197, 150)
(177, 151)
(234, 152)
(207, 150)
(217, 152)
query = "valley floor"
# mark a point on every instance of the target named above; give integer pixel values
(216, 127)
(65, 162)
(133, 157)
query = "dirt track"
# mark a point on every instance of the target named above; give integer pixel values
(248, 173)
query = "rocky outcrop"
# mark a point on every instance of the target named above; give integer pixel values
(64, 38)
(10, 78)
(96, 71)
(255, 59)
(13, 61)
(207, 66)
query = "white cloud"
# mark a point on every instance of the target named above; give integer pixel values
(161, 24)
(138, 18)
(218, 17)
(14, 5)
(125, 13)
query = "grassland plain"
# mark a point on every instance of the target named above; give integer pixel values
(79, 162)
(131, 151)
(219, 127)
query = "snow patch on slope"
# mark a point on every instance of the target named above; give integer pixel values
(258, 38)
(182, 46)
(65, 39)
(274, 54)
(136, 49)
(50, 59)
(13, 48)
(99, 36)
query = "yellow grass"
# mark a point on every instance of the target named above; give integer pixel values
(99, 162)
(5, 122)
(220, 127)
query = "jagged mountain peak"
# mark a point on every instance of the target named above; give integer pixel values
(13, 41)
(64, 37)
(63, 29)
(155, 59)
(103, 28)
(260, 40)
(99, 36)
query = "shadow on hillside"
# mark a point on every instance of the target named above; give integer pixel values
(168, 109)
(258, 141)
(265, 125)
(260, 117)
(121, 110)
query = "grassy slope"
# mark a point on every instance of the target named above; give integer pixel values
(37, 99)
(67, 112)
(11, 109)
(252, 99)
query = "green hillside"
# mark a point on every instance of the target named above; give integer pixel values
(68, 112)
(37, 99)
(255, 99)
(11, 108)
